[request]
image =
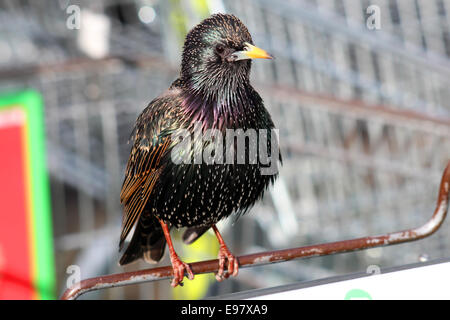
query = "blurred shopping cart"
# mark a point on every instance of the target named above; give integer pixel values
(363, 117)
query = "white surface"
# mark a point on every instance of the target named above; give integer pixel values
(93, 36)
(427, 282)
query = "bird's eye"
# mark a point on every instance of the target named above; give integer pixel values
(220, 48)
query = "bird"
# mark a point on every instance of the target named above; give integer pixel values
(213, 92)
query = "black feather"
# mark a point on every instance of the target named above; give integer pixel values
(213, 94)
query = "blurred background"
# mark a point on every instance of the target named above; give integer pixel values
(359, 90)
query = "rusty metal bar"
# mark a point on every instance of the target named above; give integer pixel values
(154, 274)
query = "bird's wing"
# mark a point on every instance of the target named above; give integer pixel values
(151, 142)
(142, 172)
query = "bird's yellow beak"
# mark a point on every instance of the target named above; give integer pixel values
(251, 52)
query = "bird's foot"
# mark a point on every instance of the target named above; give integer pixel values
(179, 268)
(233, 265)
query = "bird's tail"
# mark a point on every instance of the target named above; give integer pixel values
(148, 241)
(193, 233)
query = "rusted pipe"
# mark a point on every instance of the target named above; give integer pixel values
(147, 275)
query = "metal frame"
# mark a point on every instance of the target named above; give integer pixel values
(155, 274)
(260, 293)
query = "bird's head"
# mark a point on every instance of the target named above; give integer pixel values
(217, 54)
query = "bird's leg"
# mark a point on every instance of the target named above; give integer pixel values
(178, 266)
(225, 254)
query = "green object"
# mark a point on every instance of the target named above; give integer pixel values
(357, 294)
(41, 239)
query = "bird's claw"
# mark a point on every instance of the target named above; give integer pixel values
(179, 268)
(233, 265)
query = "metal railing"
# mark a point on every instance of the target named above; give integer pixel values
(148, 275)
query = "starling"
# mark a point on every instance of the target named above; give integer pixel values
(213, 92)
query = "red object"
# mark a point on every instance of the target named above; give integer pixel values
(15, 275)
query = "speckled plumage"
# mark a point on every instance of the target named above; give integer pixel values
(216, 94)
